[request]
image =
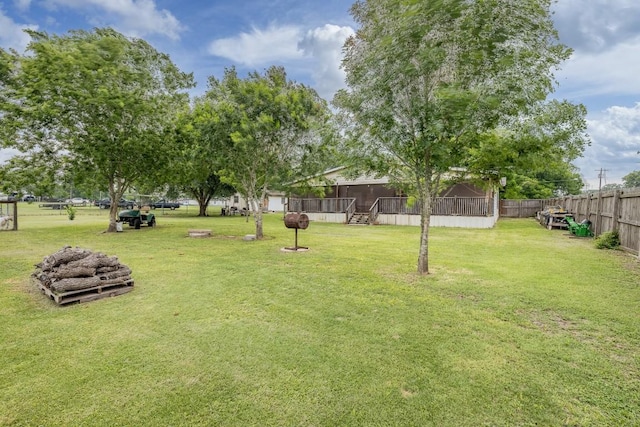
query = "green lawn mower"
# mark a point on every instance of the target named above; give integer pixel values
(582, 229)
(137, 217)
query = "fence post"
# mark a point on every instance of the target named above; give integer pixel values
(599, 213)
(616, 209)
(520, 209)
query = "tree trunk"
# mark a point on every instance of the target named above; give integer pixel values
(74, 284)
(115, 197)
(95, 260)
(202, 199)
(113, 216)
(63, 256)
(255, 207)
(425, 219)
(203, 203)
(257, 216)
(258, 213)
(120, 277)
(202, 208)
(69, 273)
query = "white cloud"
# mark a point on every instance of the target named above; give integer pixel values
(22, 5)
(260, 47)
(320, 49)
(137, 18)
(596, 25)
(605, 36)
(615, 138)
(324, 44)
(614, 71)
(11, 34)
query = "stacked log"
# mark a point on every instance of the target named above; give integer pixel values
(75, 269)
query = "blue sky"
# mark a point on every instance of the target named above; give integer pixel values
(306, 36)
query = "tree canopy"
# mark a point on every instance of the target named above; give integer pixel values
(195, 168)
(535, 152)
(442, 84)
(631, 180)
(102, 100)
(267, 132)
(554, 181)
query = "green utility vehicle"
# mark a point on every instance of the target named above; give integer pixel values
(138, 216)
(582, 229)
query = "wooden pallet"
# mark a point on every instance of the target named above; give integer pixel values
(88, 294)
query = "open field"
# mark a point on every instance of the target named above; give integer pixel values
(516, 326)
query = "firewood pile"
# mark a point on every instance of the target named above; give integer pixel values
(79, 275)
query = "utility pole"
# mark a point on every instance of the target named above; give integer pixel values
(602, 174)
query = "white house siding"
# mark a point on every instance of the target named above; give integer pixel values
(339, 217)
(414, 220)
(273, 202)
(440, 221)
(276, 202)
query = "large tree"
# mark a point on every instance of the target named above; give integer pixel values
(101, 99)
(195, 168)
(632, 179)
(267, 131)
(534, 153)
(556, 181)
(429, 81)
(38, 174)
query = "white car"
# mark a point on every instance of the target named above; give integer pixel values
(77, 201)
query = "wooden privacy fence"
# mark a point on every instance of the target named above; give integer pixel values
(608, 211)
(521, 208)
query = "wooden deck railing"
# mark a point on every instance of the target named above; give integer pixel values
(339, 205)
(448, 206)
(463, 206)
(351, 210)
(397, 205)
(374, 211)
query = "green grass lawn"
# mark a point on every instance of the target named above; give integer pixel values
(515, 326)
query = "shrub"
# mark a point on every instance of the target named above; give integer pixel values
(71, 212)
(608, 240)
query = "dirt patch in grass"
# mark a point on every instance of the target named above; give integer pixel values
(552, 322)
(596, 337)
(407, 394)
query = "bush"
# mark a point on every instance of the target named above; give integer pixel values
(71, 212)
(608, 240)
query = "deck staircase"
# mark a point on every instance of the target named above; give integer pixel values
(359, 219)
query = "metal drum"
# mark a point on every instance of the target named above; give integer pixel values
(299, 221)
